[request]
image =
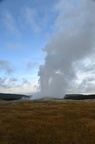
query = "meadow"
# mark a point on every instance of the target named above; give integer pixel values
(47, 122)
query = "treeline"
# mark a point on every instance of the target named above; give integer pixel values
(9, 97)
(79, 97)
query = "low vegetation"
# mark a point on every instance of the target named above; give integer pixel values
(47, 122)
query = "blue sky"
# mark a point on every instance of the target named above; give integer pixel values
(26, 28)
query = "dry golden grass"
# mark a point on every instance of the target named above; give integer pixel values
(50, 122)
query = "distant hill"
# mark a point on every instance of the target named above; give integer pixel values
(79, 97)
(70, 97)
(8, 96)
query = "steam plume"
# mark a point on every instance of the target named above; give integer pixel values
(71, 44)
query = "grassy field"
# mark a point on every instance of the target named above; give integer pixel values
(49, 122)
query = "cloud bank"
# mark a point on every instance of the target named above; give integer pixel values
(15, 85)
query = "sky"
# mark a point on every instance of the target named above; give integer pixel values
(25, 28)
(32, 38)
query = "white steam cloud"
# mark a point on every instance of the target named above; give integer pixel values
(74, 42)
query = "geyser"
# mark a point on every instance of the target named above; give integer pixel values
(73, 42)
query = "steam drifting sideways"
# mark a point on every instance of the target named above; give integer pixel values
(73, 42)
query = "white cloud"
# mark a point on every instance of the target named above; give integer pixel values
(37, 19)
(31, 16)
(13, 46)
(10, 23)
(6, 66)
(72, 13)
(31, 65)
